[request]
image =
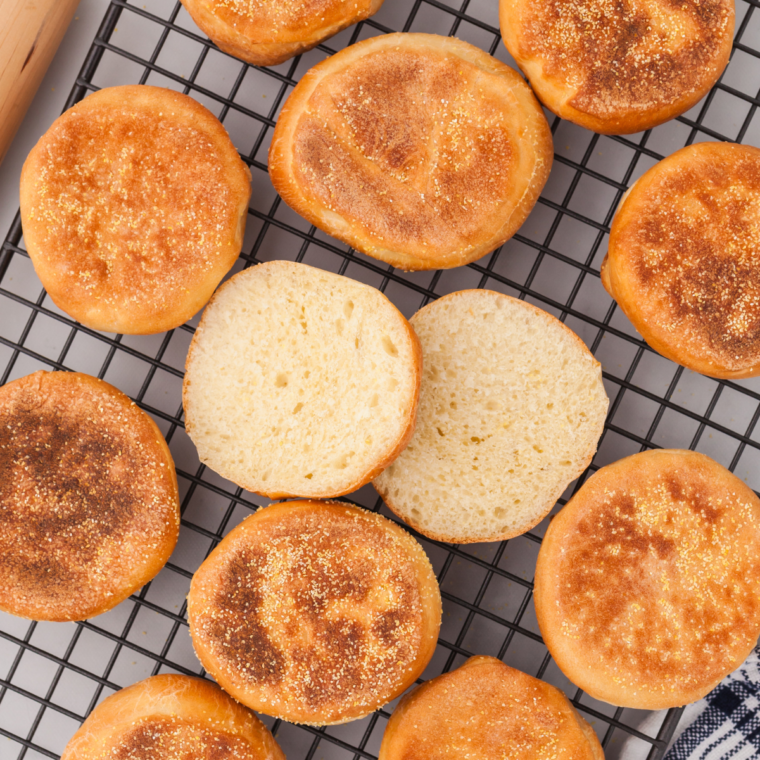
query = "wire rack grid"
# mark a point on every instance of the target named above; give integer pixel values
(53, 675)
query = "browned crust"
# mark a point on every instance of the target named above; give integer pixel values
(195, 712)
(682, 260)
(134, 205)
(355, 612)
(89, 507)
(485, 709)
(551, 501)
(375, 470)
(256, 35)
(617, 67)
(404, 199)
(647, 586)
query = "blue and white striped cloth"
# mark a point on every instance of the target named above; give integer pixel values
(725, 725)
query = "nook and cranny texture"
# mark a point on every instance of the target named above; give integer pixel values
(301, 382)
(511, 409)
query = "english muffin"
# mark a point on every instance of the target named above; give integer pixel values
(511, 409)
(619, 67)
(300, 382)
(133, 206)
(267, 32)
(315, 612)
(89, 509)
(484, 710)
(422, 151)
(648, 581)
(172, 717)
(684, 258)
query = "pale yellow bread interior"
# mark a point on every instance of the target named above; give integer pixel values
(512, 406)
(300, 382)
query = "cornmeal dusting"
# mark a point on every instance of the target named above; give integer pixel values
(316, 610)
(87, 497)
(658, 575)
(486, 711)
(624, 55)
(425, 153)
(263, 19)
(177, 739)
(131, 208)
(691, 244)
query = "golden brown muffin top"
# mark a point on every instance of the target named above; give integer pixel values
(282, 20)
(172, 717)
(130, 200)
(418, 145)
(312, 608)
(168, 738)
(686, 247)
(87, 496)
(648, 585)
(486, 710)
(623, 55)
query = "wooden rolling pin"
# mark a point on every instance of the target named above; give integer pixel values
(30, 32)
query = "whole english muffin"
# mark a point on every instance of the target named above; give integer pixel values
(267, 32)
(133, 206)
(684, 258)
(419, 150)
(172, 717)
(619, 66)
(486, 710)
(300, 382)
(315, 612)
(89, 509)
(511, 409)
(647, 588)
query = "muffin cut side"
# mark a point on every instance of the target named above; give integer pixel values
(511, 409)
(301, 382)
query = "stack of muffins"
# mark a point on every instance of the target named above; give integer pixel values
(471, 419)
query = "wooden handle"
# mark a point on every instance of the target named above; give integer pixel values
(30, 32)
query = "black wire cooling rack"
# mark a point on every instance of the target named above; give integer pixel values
(54, 674)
